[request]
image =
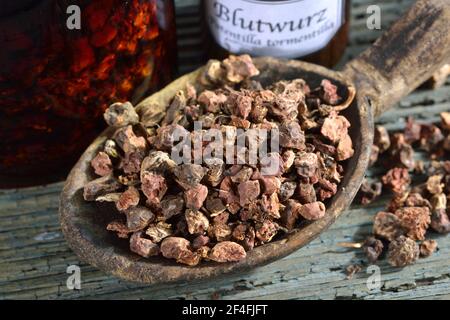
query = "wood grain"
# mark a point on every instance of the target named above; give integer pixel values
(34, 255)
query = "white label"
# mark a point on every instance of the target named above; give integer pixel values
(284, 29)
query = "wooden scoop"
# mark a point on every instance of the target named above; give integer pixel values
(396, 64)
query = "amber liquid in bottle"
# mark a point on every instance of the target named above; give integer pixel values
(245, 24)
(55, 82)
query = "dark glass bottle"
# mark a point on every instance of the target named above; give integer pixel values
(57, 79)
(310, 30)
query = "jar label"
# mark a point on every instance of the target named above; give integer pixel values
(284, 29)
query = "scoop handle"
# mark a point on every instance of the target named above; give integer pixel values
(405, 56)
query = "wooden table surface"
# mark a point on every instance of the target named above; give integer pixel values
(34, 255)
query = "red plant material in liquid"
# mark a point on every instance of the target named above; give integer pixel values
(55, 82)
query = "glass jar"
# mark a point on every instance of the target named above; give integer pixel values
(310, 30)
(57, 78)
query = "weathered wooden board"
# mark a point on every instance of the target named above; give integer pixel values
(34, 256)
